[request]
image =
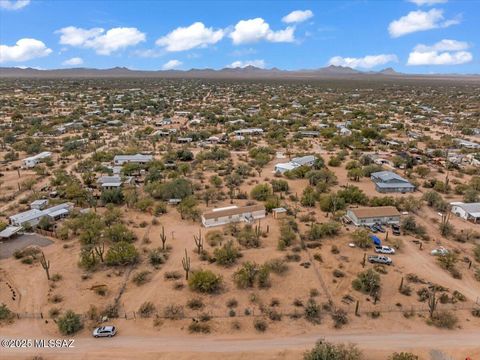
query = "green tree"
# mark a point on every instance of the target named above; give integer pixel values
(261, 192)
(327, 351)
(69, 323)
(121, 253)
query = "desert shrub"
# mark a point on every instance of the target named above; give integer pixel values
(312, 312)
(406, 290)
(361, 238)
(172, 275)
(263, 276)
(205, 281)
(338, 273)
(476, 312)
(249, 236)
(260, 325)
(367, 282)
(403, 356)
(287, 236)
(444, 320)
(147, 309)
(69, 323)
(54, 312)
(319, 231)
(199, 327)
(476, 252)
(119, 232)
(121, 253)
(327, 351)
(157, 257)
(227, 255)
(195, 304)
(261, 192)
(173, 312)
(5, 313)
(277, 266)
(339, 317)
(244, 277)
(111, 311)
(214, 237)
(141, 277)
(232, 303)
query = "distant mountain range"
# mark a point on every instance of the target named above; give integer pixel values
(249, 72)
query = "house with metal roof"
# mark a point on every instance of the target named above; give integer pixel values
(466, 211)
(232, 214)
(296, 162)
(32, 217)
(32, 161)
(113, 182)
(137, 159)
(374, 215)
(388, 181)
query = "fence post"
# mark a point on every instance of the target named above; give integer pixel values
(356, 308)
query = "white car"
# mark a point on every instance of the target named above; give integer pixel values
(104, 331)
(384, 250)
(380, 259)
(439, 251)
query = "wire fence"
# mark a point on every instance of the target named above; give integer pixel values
(366, 308)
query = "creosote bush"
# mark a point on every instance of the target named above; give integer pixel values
(205, 281)
(69, 323)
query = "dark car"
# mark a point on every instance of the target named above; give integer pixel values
(379, 228)
(395, 229)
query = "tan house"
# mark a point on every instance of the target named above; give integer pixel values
(374, 215)
(233, 214)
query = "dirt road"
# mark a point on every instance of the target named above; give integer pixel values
(461, 342)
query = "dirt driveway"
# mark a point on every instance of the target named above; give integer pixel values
(8, 247)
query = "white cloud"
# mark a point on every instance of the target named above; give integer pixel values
(13, 5)
(366, 62)
(148, 53)
(23, 50)
(242, 64)
(73, 61)
(427, 2)
(104, 43)
(190, 37)
(254, 30)
(297, 16)
(444, 52)
(420, 21)
(172, 64)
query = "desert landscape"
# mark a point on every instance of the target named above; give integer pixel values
(263, 283)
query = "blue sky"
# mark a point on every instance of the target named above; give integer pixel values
(414, 36)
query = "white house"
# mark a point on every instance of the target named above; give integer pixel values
(249, 131)
(232, 214)
(113, 182)
(137, 159)
(374, 215)
(32, 217)
(32, 161)
(467, 211)
(308, 160)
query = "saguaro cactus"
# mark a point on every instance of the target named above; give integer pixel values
(199, 241)
(46, 265)
(432, 302)
(186, 264)
(163, 238)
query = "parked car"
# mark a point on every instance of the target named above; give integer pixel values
(439, 251)
(384, 250)
(380, 228)
(395, 229)
(372, 228)
(380, 259)
(105, 331)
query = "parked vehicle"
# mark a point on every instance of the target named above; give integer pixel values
(379, 228)
(384, 250)
(380, 259)
(439, 251)
(104, 331)
(373, 228)
(395, 229)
